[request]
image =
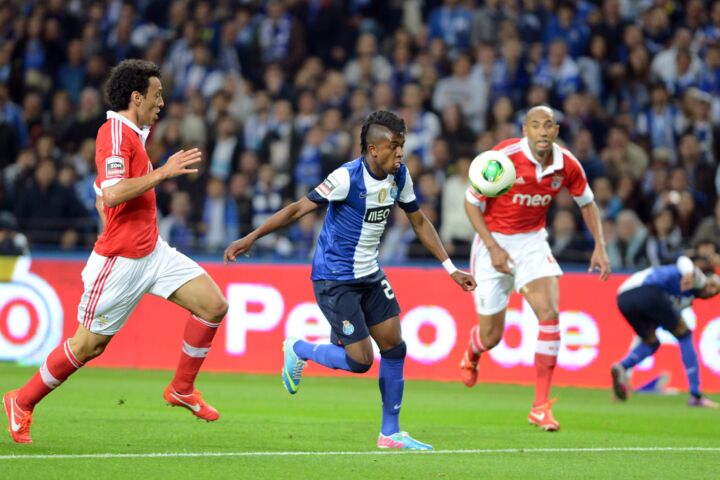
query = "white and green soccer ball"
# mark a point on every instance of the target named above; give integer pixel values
(492, 174)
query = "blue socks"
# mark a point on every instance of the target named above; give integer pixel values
(689, 358)
(327, 354)
(391, 387)
(638, 354)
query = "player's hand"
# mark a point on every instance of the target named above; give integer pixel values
(238, 247)
(501, 260)
(600, 262)
(465, 280)
(180, 163)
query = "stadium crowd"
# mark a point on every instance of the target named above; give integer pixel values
(274, 93)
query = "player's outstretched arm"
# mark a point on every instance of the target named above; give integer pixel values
(500, 259)
(178, 164)
(599, 260)
(429, 237)
(279, 219)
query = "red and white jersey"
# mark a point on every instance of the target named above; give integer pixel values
(131, 229)
(524, 208)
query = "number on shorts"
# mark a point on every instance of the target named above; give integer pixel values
(387, 289)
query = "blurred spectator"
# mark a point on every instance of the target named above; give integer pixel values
(12, 242)
(281, 37)
(48, 212)
(226, 148)
(394, 248)
(584, 150)
(368, 64)
(709, 228)
(423, 126)
(608, 203)
(622, 156)
(465, 91)
(302, 235)
(664, 244)
(558, 72)
(661, 122)
(456, 231)
(567, 25)
(486, 20)
(628, 248)
(219, 225)
(455, 132)
(566, 243)
(175, 228)
(452, 23)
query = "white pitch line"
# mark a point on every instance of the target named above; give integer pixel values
(81, 456)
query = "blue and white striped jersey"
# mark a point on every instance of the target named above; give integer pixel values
(668, 278)
(360, 206)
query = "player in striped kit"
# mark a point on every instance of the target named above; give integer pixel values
(510, 250)
(129, 258)
(351, 290)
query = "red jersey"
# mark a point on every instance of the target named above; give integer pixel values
(524, 208)
(131, 229)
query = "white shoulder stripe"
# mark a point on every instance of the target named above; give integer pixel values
(510, 149)
(119, 136)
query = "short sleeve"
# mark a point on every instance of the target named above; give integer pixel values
(475, 198)
(112, 155)
(577, 183)
(334, 188)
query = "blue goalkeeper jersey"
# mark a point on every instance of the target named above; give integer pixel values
(359, 207)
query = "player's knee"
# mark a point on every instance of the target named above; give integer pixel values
(217, 311)
(358, 367)
(395, 353)
(547, 312)
(492, 339)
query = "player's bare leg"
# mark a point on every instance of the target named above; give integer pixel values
(483, 337)
(543, 296)
(203, 298)
(389, 340)
(62, 362)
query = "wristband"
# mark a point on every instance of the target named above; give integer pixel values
(449, 267)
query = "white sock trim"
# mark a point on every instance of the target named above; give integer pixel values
(194, 352)
(548, 347)
(47, 377)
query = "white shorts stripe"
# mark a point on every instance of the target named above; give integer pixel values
(47, 377)
(195, 352)
(547, 347)
(97, 291)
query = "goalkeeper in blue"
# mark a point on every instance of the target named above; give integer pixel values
(654, 298)
(350, 288)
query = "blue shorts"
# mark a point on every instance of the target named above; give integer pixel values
(353, 306)
(647, 308)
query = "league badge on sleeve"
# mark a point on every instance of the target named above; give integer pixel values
(327, 187)
(348, 328)
(114, 167)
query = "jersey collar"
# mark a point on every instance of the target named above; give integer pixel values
(556, 165)
(142, 133)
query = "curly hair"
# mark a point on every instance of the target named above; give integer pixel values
(126, 77)
(382, 118)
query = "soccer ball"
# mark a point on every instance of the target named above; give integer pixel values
(492, 174)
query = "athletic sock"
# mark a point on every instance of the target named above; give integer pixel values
(59, 365)
(197, 339)
(326, 354)
(689, 358)
(639, 353)
(546, 351)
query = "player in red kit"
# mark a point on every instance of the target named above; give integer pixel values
(510, 250)
(129, 258)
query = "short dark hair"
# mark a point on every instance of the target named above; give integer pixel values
(126, 77)
(381, 118)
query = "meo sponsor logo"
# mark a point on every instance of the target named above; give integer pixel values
(532, 200)
(377, 215)
(114, 167)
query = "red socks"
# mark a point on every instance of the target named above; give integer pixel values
(196, 345)
(59, 365)
(546, 351)
(475, 346)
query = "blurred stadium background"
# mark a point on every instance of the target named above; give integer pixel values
(274, 93)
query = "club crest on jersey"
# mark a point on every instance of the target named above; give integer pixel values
(394, 191)
(114, 167)
(556, 181)
(348, 328)
(327, 186)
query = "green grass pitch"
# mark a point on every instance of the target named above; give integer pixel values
(121, 412)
